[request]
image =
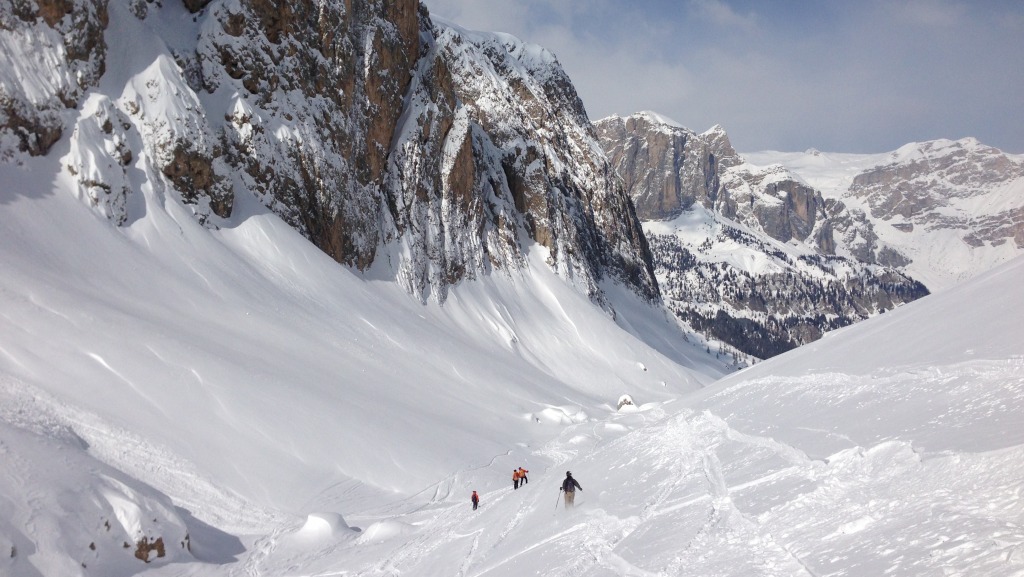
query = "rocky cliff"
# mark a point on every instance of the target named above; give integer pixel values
(382, 136)
(665, 167)
(754, 257)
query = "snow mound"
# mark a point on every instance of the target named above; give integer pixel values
(88, 518)
(323, 526)
(560, 415)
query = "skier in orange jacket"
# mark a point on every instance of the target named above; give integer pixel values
(515, 478)
(522, 476)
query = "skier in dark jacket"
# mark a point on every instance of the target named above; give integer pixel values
(569, 486)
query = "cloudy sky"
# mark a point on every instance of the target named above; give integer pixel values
(839, 76)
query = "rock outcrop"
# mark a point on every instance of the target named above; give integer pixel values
(666, 168)
(755, 262)
(51, 52)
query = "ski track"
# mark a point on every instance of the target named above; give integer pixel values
(725, 520)
(691, 450)
(260, 551)
(771, 542)
(464, 568)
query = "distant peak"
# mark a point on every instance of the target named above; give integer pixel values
(716, 129)
(656, 118)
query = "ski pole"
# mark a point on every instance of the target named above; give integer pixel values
(559, 498)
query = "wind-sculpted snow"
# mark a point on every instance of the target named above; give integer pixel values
(689, 494)
(63, 511)
(243, 376)
(829, 462)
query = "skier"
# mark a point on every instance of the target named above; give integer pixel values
(515, 478)
(522, 476)
(476, 500)
(569, 486)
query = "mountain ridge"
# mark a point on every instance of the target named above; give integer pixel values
(809, 212)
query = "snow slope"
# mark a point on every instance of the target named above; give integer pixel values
(267, 412)
(893, 447)
(245, 377)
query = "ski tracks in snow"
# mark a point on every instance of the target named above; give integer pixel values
(688, 495)
(692, 446)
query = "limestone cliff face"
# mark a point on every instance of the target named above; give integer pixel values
(666, 168)
(775, 201)
(378, 134)
(404, 135)
(542, 161)
(319, 89)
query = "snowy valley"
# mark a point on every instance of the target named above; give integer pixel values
(232, 403)
(273, 307)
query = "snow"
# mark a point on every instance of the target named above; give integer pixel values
(24, 53)
(656, 118)
(696, 225)
(830, 173)
(249, 379)
(294, 418)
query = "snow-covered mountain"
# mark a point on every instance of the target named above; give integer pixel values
(942, 211)
(163, 379)
(767, 251)
(384, 137)
(758, 297)
(184, 364)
